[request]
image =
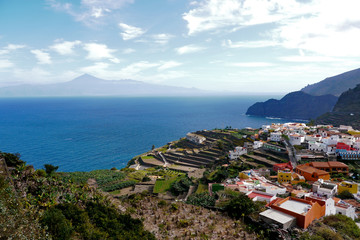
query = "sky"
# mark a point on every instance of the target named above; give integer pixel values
(269, 46)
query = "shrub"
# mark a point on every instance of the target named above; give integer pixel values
(118, 186)
(201, 199)
(58, 225)
(50, 169)
(162, 203)
(180, 186)
(40, 172)
(240, 206)
(346, 195)
(11, 159)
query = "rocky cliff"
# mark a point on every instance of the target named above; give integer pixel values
(295, 105)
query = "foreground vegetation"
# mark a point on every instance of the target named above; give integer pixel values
(42, 205)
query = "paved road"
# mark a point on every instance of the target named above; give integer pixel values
(291, 152)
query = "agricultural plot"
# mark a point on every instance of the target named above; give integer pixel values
(107, 180)
(163, 185)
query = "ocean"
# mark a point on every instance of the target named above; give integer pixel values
(88, 133)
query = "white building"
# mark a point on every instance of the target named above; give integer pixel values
(316, 146)
(328, 202)
(324, 189)
(332, 140)
(296, 139)
(238, 151)
(345, 209)
(313, 138)
(259, 144)
(195, 138)
(275, 136)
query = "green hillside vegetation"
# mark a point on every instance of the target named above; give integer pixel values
(36, 205)
(337, 227)
(346, 111)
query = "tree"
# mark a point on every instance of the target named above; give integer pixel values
(239, 206)
(50, 169)
(58, 225)
(180, 186)
(346, 195)
(12, 160)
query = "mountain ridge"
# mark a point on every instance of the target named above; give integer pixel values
(294, 105)
(88, 85)
(346, 111)
(334, 85)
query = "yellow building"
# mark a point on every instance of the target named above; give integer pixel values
(352, 187)
(286, 176)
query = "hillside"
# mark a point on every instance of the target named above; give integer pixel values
(346, 111)
(87, 85)
(334, 85)
(295, 105)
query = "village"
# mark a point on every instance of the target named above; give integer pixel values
(299, 172)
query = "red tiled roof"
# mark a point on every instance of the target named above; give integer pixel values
(319, 164)
(311, 170)
(337, 164)
(253, 195)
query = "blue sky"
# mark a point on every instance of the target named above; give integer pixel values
(229, 45)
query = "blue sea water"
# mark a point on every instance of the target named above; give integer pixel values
(82, 134)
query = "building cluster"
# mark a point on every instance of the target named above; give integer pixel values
(288, 203)
(325, 139)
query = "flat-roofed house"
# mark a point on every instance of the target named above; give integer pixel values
(261, 196)
(304, 211)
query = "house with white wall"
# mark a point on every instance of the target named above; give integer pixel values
(275, 136)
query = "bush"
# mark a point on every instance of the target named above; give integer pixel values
(12, 160)
(180, 186)
(146, 179)
(201, 199)
(58, 225)
(346, 195)
(343, 224)
(50, 169)
(118, 186)
(40, 172)
(239, 206)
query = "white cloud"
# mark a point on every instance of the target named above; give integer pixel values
(42, 57)
(114, 60)
(137, 67)
(96, 68)
(89, 11)
(331, 28)
(130, 32)
(251, 64)
(217, 14)
(162, 38)
(98, 51)
(4, 63)
(169, 64)
(325, 27)
(36, 74)
(307, 59)
(249, 44)
(65, 48)
(10, 47)
(142, 70)
(128, 50)
(188, 49)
